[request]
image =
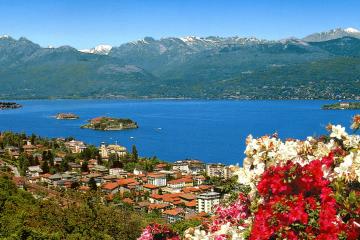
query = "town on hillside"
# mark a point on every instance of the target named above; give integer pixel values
(185, 189)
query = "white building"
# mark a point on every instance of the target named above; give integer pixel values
(206, 201)
(76, 146)
(157, 179)
(119, 172)
(216, 170)
(34, 171)
(106, 150)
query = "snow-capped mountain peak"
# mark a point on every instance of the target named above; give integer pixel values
(4, 36)
(333, 34)
(189, 39)
(102, 49)
(351, 30)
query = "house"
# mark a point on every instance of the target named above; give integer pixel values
(34, 171)
(182, 166)
(190, 207)
(344, 105)
(178, 184)
(98, 169)
(189, 166)
(75, 166)
(138, 172)
(173, 215)
(75, 146)
(106, 150)
(199, 180)
(152, 189)
(12, 151)
(57, 160)
(118, 172)
(127, 185)
(158, 206)
(206, 201)
(28, 147)
(157, 179)
(110, 187)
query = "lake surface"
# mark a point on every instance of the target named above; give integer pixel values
(212, 131)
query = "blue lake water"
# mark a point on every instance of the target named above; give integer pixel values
(212, 131)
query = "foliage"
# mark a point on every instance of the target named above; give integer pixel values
(23, 217)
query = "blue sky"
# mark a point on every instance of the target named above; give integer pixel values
(86, 23)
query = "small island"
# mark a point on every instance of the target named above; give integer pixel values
(9, 105)
(110, 124)
(66, 116)
(342, 106)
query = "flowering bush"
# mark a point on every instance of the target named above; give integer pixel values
(158, 232)
(299, 190)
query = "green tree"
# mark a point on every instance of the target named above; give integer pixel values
(84, 166)
(92, 184)
(134, 154)
(45, 166)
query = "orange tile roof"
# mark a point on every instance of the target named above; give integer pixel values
(205, 187)
(161, 165)
(191, 204)
(190, 189)
(125, 181)
(156, 175)
(110, 186)
(180, 180)
(188, 196)
(150, 186)
(156, 196)
(128, 201)
(84, 188)
(158, 205)
(174, 211)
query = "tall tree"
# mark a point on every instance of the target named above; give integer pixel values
(45, 166)
(134, 154)
(84, 166)
(92, 184)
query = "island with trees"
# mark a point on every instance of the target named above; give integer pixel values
(342, 106)
(66, 116)
(9, 105)
(110, 124)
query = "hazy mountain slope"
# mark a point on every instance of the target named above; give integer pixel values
(211, 67)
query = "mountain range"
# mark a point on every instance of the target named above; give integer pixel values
(320, 66)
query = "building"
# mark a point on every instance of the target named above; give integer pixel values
(110, 188)
(216, 170)
(75, 146)
(178, 184)
(119, 172)
(189, 166)
(34, 171)
(106, 150)
(206, 201)
(344, 104)
(157, 179)
(173, 215)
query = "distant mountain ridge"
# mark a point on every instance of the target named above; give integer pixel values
(320, 66)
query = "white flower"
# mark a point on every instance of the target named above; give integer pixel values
(338, 132)
(343, 168)
(353, 141)
(244, 176)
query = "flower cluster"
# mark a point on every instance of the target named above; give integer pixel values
(299, 190)
(298, 203)
(356, 122)
(158, 232)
